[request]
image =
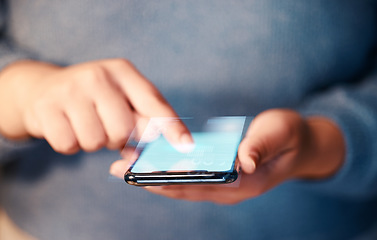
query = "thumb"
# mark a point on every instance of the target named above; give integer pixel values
(269, 135)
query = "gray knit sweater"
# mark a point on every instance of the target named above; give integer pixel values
(213, 57)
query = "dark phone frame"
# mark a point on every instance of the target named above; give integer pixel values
(158, 178)
(181, 178)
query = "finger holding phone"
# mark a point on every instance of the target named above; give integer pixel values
(279, 145)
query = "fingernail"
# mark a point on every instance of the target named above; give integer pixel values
(186, 139)
(186, 144)
(253, 161)
(252, 166)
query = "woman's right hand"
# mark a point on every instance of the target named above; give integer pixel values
(85, 106)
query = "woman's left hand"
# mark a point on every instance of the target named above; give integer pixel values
(279, 145)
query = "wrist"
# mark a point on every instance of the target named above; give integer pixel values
(18, 86)
(325, 150)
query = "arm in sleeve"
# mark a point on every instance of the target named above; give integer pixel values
(353, 107)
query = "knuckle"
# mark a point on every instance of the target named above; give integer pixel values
(94, 144)
(122, 63)
(118, 141)
(92, 76)
(119, 137)
(40, 105)
(66, 147)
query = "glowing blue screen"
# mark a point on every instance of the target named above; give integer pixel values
(215, 149)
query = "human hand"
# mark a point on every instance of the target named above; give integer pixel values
(279, 145)
(86, 106)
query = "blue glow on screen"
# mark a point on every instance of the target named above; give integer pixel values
(215, 149)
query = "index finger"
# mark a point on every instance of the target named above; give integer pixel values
(145, 98)
(173, 129)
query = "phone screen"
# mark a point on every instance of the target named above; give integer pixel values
(212, 152)
(212, 157)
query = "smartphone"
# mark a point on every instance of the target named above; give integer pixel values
(212, 159)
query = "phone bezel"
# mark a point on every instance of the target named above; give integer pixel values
(158, 178)
(182, 178)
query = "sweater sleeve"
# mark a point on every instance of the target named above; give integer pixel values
(9, 52)
(353, 107)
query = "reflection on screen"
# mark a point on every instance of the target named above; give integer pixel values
(215, 149)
